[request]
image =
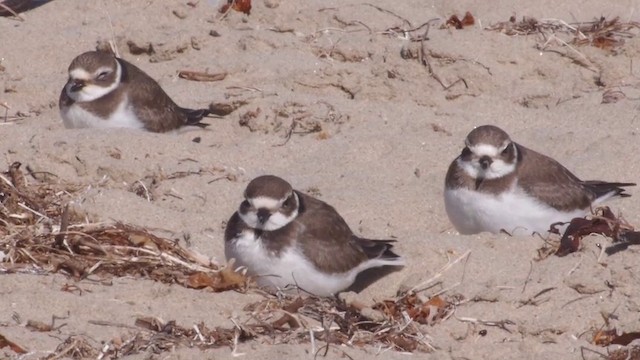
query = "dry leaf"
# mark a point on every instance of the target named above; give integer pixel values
(243, 6)
(225, 279)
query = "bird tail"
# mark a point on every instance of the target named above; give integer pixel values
(605, 190)
(194, 116)
(380, 250)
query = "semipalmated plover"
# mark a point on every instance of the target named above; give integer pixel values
(106, 91)
(289, 239)
(498, 185)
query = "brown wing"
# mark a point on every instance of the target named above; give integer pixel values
(325, 238)
(153, 106)
(546, 179)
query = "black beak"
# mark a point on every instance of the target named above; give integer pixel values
(76, 85)
(485, 162)
(263, 215)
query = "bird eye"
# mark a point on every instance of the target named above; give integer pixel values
(103, 75)
(466, 152)
(506, 150)
(288, 202)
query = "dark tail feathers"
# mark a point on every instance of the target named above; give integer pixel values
(602, 188)
(194, 117)
(377, 249)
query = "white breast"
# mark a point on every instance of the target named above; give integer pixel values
(290, 268)
(514, 211)
(75, 116)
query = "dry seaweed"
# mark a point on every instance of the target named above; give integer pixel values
(243, 6)
(628, 353)
(601, 33)
(603, 222)
(455, 21)
(283, 319)
(32, 241)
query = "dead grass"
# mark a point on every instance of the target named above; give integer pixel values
(603, 33)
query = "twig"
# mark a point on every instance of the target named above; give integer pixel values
(502, 324)
(439, 274)
(526, 281)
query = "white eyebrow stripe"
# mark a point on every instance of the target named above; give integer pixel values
(484, 149)
(265, 202)
(80, 74)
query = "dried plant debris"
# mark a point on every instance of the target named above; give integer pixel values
(628, 353)
(222, 109)
(601, 33)
(454, 21)
(116, 250)
(201, 76)
(29, 241)
(243, 6)
(29, 207)
(613, 337)
(603, 222)
(286, 319)
(76, 347)
(147, 187)
(136, 49)
(293, 118)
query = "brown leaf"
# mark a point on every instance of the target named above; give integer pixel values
(604, 337)
(243, 6)
(225, 279)
(200, 280)
(455, 22)
(468, 19)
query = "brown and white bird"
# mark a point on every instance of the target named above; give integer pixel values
(498, 185)
(104, 91)
(289, 239)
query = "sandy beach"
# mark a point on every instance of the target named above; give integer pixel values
(343, 100)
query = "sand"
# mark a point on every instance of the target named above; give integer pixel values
(374, 136)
